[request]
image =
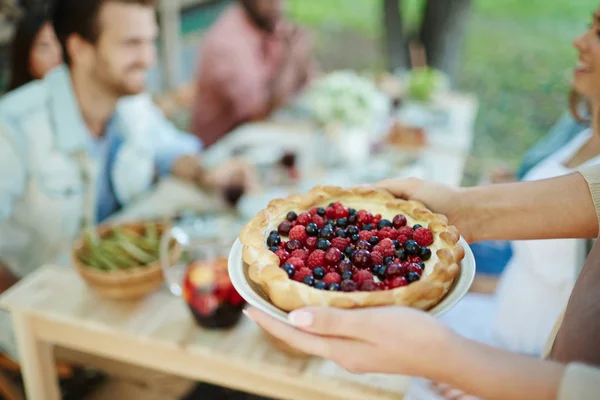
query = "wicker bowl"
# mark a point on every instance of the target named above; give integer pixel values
(131, 284)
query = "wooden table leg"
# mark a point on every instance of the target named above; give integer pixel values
(37, 361)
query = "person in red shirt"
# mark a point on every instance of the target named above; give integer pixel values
(253, 61)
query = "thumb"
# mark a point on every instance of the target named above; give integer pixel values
(401, 188)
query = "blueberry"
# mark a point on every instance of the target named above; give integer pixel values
(343, 257)
(323, 244)
(342, 222)
(342, 233)
(374, 240)
(417, 226)
(375, 268)
(274, 233)
(367, 227)
(401, 254)
(309, 280)
(327, 233)
(412, 277)
(355, 238)
(349, 251)
(321, 211)
(291, 216)
(381, 272)
(347, 275)
(330, 224)
(273, 240)
(397, 244)
(421, 264)
(321, 285)
(352, 219)
(273, 248)
(289, 268)
(384, 223)
(425, 253)
(387, 260)
(412, 248)
(352, 230)
(331, 205)
(352, 211)
(319, 272)
(312, 229)
(348, 285)
(334, 287)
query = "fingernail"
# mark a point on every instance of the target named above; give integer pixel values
(301, 318)
(247, 314)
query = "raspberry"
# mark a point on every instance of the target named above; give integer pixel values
(301, 274)
(384, 234)
(332, 277)
(397, 282)
(364, 217)
(369, 286)
(377, 219)
(316, 259)
(304, 219)
(341, 212)
(348, 286)
(402, 239)
(311, 242)
(313, 211)
(405, 231)
(366, 235)
(413, 267)
(414, 259)
(377, 258)
(386, 251)
(298, 233)
(399, 221)
(301, 254)
(423, 237)
(333, 256)
(388, 233)
(340, 243)
(330, 213)
(296, 262)
(283, 256)
(362, 276)
(320, 221)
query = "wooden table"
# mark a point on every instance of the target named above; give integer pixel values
(53, 306)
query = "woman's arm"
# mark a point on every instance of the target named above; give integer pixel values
(552, 208)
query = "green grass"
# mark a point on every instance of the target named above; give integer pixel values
(517, 58)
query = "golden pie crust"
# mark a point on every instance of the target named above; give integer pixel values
(287, 294)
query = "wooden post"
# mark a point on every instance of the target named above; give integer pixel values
(442, 32)
(170, 44)
(395, 43)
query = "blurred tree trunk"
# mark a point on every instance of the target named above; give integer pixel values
(395, 42)
(442, 31)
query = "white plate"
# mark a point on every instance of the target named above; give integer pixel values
(253, 294)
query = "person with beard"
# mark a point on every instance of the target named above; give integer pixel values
(253, 61)
(86, 140)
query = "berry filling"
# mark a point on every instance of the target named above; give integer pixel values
(337, 248)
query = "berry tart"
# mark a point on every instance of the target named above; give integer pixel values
(349, 248)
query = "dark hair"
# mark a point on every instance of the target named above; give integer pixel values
(81, 17)
(259, 20)
(27, 30)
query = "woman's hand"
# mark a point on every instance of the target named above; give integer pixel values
(439, 198)
(394, 340)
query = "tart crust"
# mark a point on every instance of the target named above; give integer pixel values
(288, 295)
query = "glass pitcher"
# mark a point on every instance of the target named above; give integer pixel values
(193, 256)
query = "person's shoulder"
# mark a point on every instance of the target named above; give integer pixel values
(24, 100)
(227, 32)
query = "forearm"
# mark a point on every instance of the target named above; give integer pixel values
(491, 373)
(553, 208)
